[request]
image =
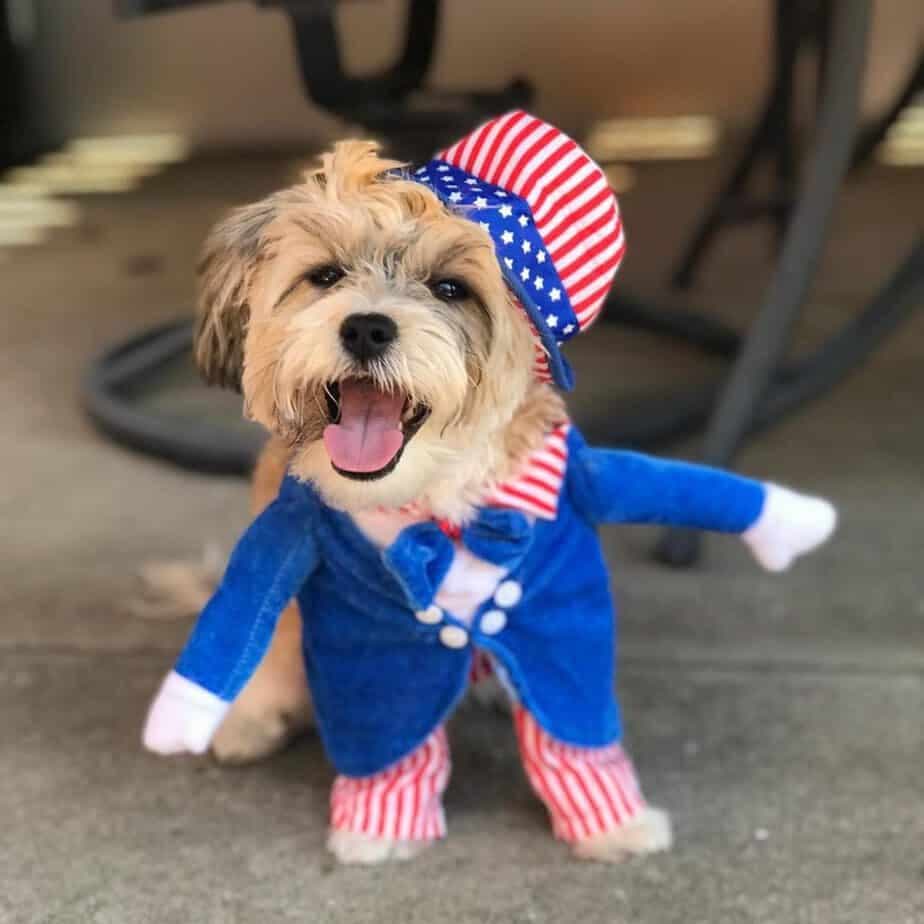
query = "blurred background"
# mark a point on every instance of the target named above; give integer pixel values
(225, 75)
(769, 160)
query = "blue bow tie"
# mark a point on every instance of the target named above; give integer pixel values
(422, 554)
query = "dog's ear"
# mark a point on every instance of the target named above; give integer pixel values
(231, 254)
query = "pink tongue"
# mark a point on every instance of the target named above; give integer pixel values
(368, 435)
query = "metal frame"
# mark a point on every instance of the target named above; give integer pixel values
(662, 417)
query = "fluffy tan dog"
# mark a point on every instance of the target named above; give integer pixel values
(394, 343)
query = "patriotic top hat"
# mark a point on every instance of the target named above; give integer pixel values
(552, 216)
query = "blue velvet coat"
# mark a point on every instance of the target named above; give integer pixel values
(381, 678)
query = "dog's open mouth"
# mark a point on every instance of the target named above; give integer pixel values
(369, 428)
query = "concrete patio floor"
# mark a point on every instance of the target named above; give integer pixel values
(777, 718)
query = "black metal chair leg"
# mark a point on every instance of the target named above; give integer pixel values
(767, 341)
(394, 103)
(317, 42)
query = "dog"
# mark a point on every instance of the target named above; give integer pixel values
(404, 364)
(344, 214)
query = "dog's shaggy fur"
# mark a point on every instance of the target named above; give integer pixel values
(268, 326)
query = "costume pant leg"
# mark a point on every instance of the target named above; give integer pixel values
(401, 802)
(587, 791)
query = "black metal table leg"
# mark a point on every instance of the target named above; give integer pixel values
(715, 217)
(771, 136)
(768, 338)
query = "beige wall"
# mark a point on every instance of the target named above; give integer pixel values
(225, 75)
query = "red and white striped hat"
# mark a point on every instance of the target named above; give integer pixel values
(552, 216)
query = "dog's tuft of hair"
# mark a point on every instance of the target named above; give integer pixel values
(271, 325)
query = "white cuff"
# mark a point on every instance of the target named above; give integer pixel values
(789, 525)
(183, 717)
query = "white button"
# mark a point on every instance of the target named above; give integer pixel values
(508, 594)
(454, 636)
(493, 622)
(431, 615)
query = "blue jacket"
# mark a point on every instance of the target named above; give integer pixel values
(380, 675)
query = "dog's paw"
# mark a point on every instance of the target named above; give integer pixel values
(650, 832)
(352, 848)
(244, 738)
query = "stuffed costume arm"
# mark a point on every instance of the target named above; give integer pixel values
(271, 562)
(778, 525)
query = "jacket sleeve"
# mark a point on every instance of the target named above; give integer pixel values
(615, 486)
(269, 565)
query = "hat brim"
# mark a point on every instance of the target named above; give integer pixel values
(559, 367)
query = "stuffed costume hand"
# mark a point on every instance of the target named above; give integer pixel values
(789, 525)
(778, 524)
(183, 718)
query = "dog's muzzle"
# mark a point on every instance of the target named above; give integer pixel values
(369, 427)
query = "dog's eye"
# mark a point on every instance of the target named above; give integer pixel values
(450, 290)
(325, 276)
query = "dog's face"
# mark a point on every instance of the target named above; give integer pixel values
(369, 328)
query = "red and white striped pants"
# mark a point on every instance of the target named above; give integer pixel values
(587, 791)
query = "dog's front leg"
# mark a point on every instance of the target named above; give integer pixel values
(592, 795)
(275, 705)
(393, 814)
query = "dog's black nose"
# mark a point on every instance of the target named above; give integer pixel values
(366, 336)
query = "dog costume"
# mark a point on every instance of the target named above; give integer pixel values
(397, 606)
